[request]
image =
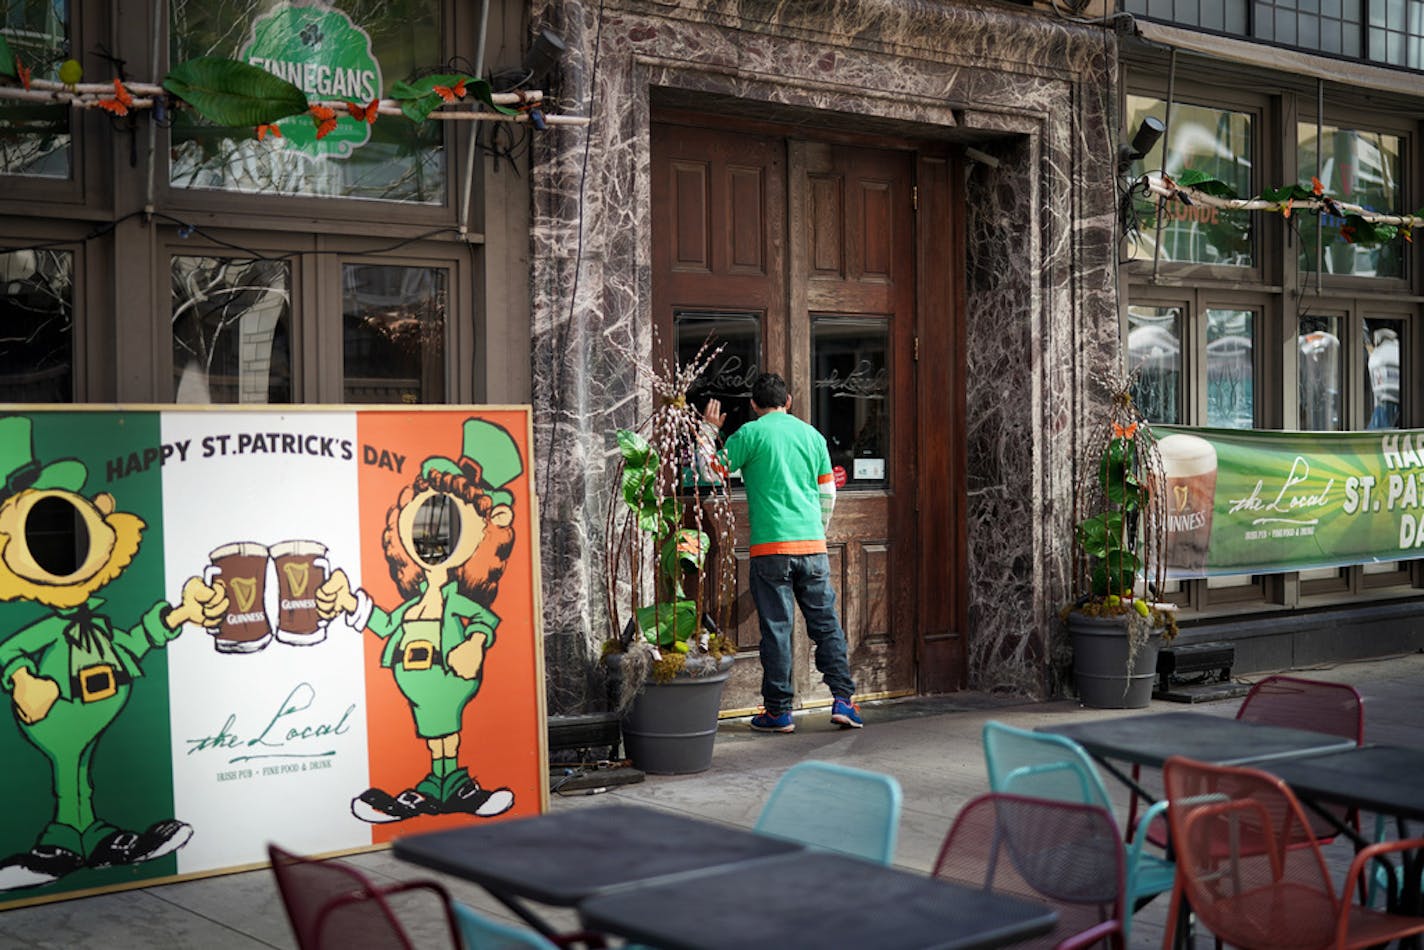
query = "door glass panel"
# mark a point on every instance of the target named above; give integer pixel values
(1383, 341)
(231, 331)
(393, 333)
(35, 137)
(729, 377)
(354, 51)
(850, 396)
(1230, 369)
(37, 326)
(1216, 142)
(1360, 167)
(1321, 399)
(1154, 358)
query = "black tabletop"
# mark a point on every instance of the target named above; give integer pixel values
(563, 857)
(815, 899)
(1152, 739)
(1379, 778)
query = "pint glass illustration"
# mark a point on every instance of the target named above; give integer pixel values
(1189, 469)
(242, 566)
(301, 568)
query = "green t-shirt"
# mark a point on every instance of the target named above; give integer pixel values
(783, 462)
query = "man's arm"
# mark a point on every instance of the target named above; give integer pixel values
(826, 485)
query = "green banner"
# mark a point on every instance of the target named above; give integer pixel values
(1259, 502)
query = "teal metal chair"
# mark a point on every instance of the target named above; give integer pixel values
(835, 808)
(485, 933)
(1041, 765)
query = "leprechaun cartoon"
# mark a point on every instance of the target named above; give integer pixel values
(447, 540)
(69, 673)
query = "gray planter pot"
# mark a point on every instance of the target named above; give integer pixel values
(1103, 674)
(671, 727)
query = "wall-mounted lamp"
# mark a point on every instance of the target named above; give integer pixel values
(543, 56)
(1143, 142)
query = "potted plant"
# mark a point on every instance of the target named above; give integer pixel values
(1115, 624)
(668, 564)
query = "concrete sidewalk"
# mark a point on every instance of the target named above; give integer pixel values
(931, 745)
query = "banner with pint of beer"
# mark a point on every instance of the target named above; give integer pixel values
(222, 627)
(1257, 501)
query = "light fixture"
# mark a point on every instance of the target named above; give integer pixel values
(543, 56)
(1143, 142)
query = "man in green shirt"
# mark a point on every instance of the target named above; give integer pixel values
(790, 495)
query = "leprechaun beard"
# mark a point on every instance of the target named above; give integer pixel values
(127, 528)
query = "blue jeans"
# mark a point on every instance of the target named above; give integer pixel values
(777, 579)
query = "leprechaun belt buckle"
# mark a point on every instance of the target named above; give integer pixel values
(97, 682)
(418, 655)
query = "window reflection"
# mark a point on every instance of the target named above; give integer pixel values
(1321, 399)
(1382, 345)
(1230, 376)
(36, 326)
(729, 377)
(1154, 357)
(1216, 142)
(393, 333)
(850, 396)
(35, 137)
(1359, 167)
(231, 330)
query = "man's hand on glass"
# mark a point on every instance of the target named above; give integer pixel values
(713, 414)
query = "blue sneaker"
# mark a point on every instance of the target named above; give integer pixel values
(846, 714)
(773, 722)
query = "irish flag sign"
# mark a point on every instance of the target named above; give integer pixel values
(223, 628)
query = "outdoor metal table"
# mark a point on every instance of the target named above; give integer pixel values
(815, 899)
(564, 857)
(1152, 739)
(1385, 779)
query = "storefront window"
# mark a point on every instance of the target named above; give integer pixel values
(1154, 355)
(1230, 369)
(1215, 142)
(351, 51)
(1321, 399)
(850, 395)
(1383, 340)
(37, 326)
(729, 377)
(1361, 168)
(393, 333)
(35, 137)
(231, 331)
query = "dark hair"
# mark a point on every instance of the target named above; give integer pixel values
(769, 391)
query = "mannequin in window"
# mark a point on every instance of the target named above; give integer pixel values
(1384, 379)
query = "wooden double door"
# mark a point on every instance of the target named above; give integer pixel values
(838, 265)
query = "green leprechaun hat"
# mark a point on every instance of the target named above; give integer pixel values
(20, 469)
(488, 451)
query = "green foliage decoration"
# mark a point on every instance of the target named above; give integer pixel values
(231, 93)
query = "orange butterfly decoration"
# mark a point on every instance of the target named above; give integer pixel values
(325, 118)
(23, 72)
(450, 95)
(1119, 432)
(365, 114)
(1316, 186)
(119, 105)
(262, 131)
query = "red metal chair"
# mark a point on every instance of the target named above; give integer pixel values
(333, 906)
(1335, 709)
(1067, 854)
(1252, 872)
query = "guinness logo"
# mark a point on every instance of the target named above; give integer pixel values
(1180, 493)
(244, 591)
(297, 577)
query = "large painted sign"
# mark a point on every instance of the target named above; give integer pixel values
(220, 628)
(1257, 501)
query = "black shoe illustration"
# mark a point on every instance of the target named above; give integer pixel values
(377, 807)
(41, 864)
(470, 799)
(130, 847)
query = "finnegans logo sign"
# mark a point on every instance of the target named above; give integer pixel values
(1259, 502)
(319, 50)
